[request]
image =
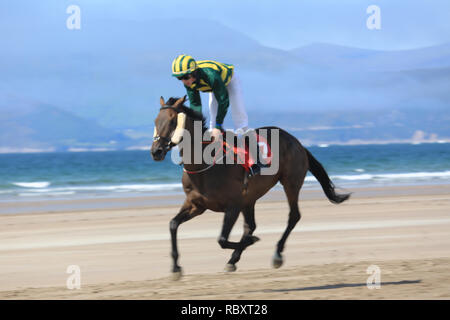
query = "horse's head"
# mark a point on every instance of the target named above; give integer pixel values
(169, 126)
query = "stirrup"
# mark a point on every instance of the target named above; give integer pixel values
(254, 170)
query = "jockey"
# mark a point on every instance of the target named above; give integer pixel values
(221, 81)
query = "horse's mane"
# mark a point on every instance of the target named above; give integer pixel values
(191, 113)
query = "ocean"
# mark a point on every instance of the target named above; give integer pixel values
(70, 175)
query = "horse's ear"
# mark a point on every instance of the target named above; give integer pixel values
(179, 102)
(161, 101)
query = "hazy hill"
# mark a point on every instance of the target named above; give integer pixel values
(41, 126)
(341, 57)
(356, 125)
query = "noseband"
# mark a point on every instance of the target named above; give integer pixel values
(167, 143)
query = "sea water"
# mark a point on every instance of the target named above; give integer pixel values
(126, 173)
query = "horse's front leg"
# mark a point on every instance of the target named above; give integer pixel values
(186, 213)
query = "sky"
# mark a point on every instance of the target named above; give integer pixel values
(283, 24)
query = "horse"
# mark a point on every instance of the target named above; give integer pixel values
(222, 187)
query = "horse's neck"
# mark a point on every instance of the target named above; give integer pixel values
(195, 144)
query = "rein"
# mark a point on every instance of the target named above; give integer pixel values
(210, 166)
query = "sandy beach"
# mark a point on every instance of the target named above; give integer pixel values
(123, 251)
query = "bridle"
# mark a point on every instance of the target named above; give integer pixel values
(167, 143)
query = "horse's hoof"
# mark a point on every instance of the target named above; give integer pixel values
(277, 260)
(230, 267)
(176, 275)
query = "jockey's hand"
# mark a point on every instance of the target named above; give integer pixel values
(216, 134)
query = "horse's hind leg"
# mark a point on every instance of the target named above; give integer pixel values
(247, 238)
(292, 190)
(186, 213)
(229, 219)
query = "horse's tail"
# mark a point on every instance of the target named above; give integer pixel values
(327, 185)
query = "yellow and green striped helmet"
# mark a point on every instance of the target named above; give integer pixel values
(183, 64)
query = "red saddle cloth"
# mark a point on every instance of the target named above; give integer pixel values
(244, 156)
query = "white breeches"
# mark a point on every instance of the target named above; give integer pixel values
(238, 113)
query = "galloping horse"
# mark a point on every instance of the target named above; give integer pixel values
(221, 187)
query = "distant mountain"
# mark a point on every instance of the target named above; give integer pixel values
(40, 126)
(348, 58)
(312, 127)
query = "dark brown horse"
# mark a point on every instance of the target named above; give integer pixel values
(221, 187)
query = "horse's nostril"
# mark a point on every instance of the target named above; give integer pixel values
(157, 152)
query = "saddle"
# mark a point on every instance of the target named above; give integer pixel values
(241, 152)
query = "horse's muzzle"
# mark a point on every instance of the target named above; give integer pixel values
(158, 153)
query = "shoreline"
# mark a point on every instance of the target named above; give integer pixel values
(354, 142)
(139, 201)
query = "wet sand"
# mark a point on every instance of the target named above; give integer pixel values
(123, 251)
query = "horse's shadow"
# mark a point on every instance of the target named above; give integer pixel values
(342, 285)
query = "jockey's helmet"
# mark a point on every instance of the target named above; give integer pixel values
(182, 65)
